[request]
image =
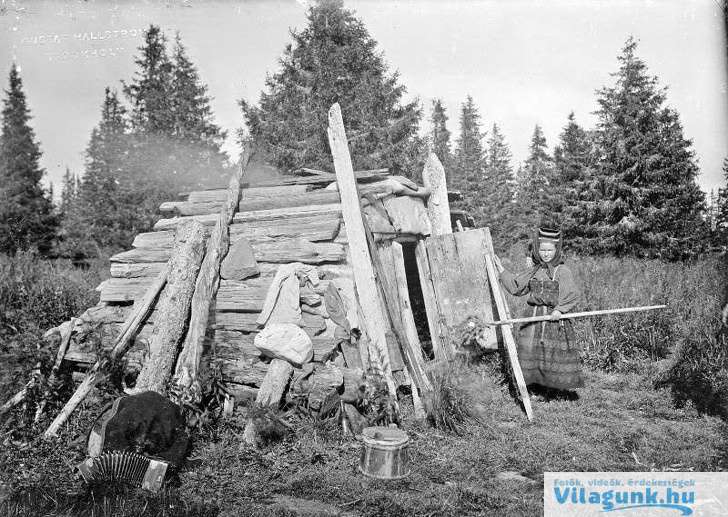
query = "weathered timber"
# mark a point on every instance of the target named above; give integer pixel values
(435, 322)
(411, 346)
(136, 270)
(99, 370)
(318, 227)
(230, 345)
(220, 195)
(243, 296)
(53, 374)
(438, 206)
(174, 305)
(269, 394)
(408, 215)
(244, 395)
(459, 259)
(316, 197)
(501, 304)
(137, 255)
(279, 252)
(314, 389)
(239, 263)
(276, 214)
(186, 382)
(358, 250)
(243, 371)
(240, 321)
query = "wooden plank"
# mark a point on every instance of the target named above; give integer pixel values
(358, 251)
(243, 296)
(240, 321)
(435, 321)
(317, 227)
(136, 270)
(233, 345)
(186, 375)
(143, 255)
(459, 260)
(503, 313)
(243, 371)
(275, 214)
(438, 206)
(411, 345)
(316, 197)
(248, 193)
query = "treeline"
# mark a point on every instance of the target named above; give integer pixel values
(625, 187)
(628, 186)
(158, 139)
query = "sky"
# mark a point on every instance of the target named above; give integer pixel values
(523, 62)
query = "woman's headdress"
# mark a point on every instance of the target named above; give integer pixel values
(548, 234)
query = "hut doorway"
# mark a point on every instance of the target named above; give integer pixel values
(417, 300)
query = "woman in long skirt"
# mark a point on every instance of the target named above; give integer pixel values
(547, 350)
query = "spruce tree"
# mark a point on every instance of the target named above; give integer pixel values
(533, 183)
(150, 91)
(652, 205)
(721, 210)
(573, 165)
(440, 136)
(69, 191)
(27, 220)
(334, 59)
(470, 162)
(497, 203)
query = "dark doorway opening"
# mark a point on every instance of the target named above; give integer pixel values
(417, 301)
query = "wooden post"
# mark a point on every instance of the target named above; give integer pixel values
(99, 370)
(393, 278)
(501, 305)
(65, 340)
(269, 394)
(438, 211)
(359, 252)
(186, 382)
(439, 348)
(174, 308)
(438, 206)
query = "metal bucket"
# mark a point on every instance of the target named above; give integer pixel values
(385, 454)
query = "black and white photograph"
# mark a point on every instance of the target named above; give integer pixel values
(363, 258)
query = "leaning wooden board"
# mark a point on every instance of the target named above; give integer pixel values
(460, 280)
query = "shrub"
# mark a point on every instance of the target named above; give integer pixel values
(449, 406)
(699, 373)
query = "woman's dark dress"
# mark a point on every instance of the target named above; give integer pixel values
(547, 351)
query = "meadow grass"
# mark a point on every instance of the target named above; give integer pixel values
(619, 423)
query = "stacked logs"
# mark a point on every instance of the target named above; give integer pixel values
(278, 225)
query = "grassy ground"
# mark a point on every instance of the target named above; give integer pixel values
(620, 422)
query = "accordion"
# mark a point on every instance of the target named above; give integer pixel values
(125, 467)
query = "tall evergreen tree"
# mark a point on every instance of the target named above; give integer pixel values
(573, 164)
(721, 210)
(150, 91)
(440, 136)
(69, 191)
(470, 162)
(334, 59)
(497, 204)
(652, 205)
(533, 184)
(26, 211)
(193, 117)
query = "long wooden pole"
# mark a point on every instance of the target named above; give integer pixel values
(122, 344)
(577, 315)
(361, 260)
(502, 307)
(186, 382)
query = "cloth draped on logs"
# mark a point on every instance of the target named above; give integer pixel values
(282, 303)
(547, 351)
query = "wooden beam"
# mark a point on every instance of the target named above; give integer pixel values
(358, 249)
(186, 382)
(100, 369)
(432, 309)
(438, 206)
(174, 309)
(503, 313)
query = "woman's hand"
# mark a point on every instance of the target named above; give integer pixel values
(498, 264)
(555, 315)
